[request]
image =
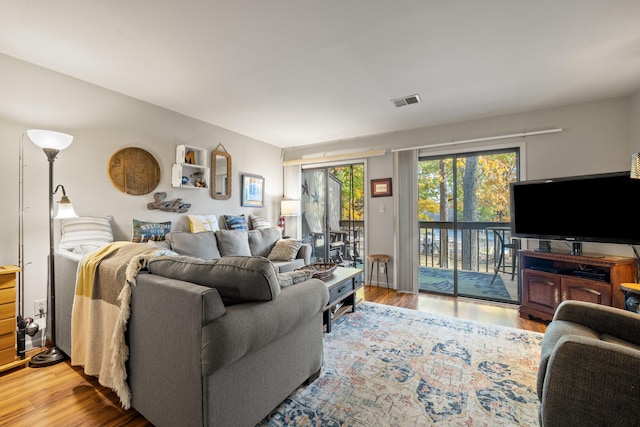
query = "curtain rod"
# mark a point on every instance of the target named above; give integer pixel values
(489, 138)
(331, 158)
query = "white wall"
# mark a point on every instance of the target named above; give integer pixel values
(595, 139)
(103, 122)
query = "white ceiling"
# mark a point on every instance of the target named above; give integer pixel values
(296, 72)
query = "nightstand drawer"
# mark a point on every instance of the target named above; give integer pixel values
(7, 355)
(7, 310)
(7, 341)
(340, 291)
(7, 295)
(7, 281)
(7, 326)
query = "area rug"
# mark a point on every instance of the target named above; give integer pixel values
(387, 366)
(474, 283)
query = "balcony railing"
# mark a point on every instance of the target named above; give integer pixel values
(477, 247)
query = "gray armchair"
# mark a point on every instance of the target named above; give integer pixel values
(589, 373)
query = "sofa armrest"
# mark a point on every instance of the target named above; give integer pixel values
(165, 340)
(590, 382)
(66, 269)
(603, 319)
(305, 253)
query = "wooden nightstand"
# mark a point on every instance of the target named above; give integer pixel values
(8, 317)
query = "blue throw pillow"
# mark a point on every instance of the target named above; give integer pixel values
(236, 222)
(149, 231)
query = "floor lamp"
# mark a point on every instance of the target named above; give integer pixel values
(289, 208)
(51, 143)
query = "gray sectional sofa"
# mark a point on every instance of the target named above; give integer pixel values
(213, 341)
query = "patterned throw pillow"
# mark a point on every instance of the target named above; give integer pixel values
(85, 233)
(200, 223)
(292, 277)
(285, 250)
(149, 231)
(236, 222)
(258, 222)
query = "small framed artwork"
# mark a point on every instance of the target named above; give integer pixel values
(252, 190)
(381, 187)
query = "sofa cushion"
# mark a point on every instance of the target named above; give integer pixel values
(199, 245)
(233, 242)
(236, 222)
(200, 223)
(284, 266)
(285, 250)
(237, 279)
(261, 241)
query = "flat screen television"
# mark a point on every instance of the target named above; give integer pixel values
(590, 208)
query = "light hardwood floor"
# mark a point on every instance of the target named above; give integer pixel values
(61, 395)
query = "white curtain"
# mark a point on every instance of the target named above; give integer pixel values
(292, 189)
(405, 165)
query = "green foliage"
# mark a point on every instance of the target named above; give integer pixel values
(491, 201)
(352, 178)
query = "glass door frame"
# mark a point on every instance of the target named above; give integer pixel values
(458, 225)
(334, 228)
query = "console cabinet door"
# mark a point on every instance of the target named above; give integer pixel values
(586, 290)
(540, 290)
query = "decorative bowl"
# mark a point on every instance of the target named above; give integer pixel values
(321, 270)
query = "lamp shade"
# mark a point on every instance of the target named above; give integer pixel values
(50, 139)
(290, 208)
(65, 209)
(635, 166)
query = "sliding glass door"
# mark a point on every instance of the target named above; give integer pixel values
(465, 245)
(333, 213)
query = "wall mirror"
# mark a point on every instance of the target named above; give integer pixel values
(220, 173)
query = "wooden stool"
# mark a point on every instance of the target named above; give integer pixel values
(377, 259)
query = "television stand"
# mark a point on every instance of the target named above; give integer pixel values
(548, 278)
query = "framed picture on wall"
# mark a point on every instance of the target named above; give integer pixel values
(252, 190)
(381, 187)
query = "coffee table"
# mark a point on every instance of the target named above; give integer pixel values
(342, 285)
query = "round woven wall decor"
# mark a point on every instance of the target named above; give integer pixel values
(134, 171)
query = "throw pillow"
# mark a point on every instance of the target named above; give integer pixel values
(233, 243)
(144, 231)
(200, 223)
(261, 241)
(285, 250)
(258, 222)
(238, 222)
(237, 279)
(292, 277)
(84, 234)
(199, 245)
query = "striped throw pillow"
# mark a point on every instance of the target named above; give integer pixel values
(258, 222)
(85, 231)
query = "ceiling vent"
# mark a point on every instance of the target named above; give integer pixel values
(406, 100)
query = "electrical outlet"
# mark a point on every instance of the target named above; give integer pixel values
(40, 308)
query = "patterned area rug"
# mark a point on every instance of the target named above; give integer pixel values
(386, 366)
(469, 283)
